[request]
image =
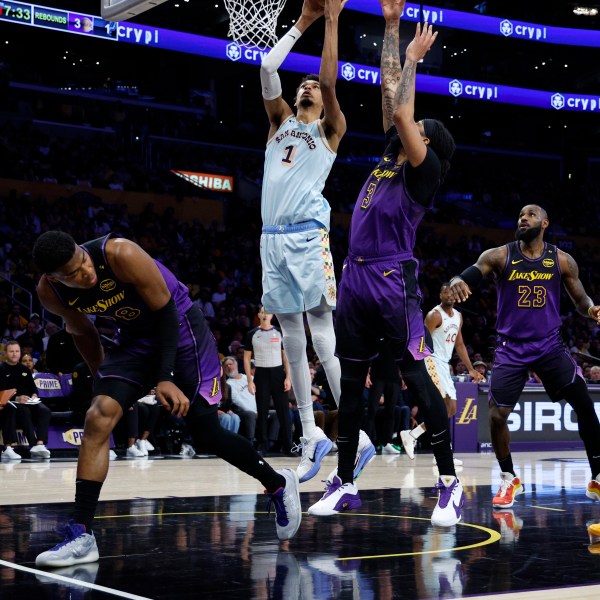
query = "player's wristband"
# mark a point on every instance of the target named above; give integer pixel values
(590, 314)
(471, 276)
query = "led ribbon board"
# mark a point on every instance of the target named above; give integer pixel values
(166, 39)
(508, 28)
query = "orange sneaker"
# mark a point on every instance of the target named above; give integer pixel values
(593, 490)
(509, 488)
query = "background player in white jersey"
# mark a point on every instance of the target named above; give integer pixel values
(444, 323)
(298, 274)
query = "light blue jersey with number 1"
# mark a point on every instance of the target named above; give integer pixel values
(298, 160)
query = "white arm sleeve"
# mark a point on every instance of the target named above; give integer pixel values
(269, 78)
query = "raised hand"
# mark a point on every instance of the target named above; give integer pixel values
(313, 9)
(421, 43)
(392, 9)
(460, 290)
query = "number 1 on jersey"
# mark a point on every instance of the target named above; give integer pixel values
(289, 155)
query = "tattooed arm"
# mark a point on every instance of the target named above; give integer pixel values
(411, 133)
(391, 69)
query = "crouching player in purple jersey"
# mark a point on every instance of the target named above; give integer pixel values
(379, 300)
(163, 342)
(529, 274)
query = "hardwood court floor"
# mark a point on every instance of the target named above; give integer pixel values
(197, 528)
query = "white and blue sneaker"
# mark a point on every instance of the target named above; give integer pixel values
(286, 500)
(451, 499)
(313, 451)
(365, 453)
(337, 498)
(77, 547)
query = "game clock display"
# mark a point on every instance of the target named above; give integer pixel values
(51, 18)
(15, 11)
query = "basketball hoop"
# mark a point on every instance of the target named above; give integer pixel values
(253, 22)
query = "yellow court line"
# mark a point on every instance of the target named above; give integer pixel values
(494, 536)
(547, 508)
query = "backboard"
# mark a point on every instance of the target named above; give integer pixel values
(121, 10)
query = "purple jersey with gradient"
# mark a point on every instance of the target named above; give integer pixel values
(138, 342)
(385, 217)
(529, 295)
(118, 301)
(379, 295)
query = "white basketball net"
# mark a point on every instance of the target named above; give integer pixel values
(253, 22)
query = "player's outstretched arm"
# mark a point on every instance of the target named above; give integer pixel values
(490, 261)
(391, 69)
(334, 122)
(404, 111)
(277, 108)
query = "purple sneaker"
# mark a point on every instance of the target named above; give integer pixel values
(336, 499)
(451, 499)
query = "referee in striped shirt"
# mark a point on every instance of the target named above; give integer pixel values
(271, 379)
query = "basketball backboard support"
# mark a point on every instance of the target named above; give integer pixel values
(121, 10)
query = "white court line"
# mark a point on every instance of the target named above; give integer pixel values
(91, 586)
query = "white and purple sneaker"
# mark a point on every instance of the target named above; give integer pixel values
(451, 499)
(337, 498)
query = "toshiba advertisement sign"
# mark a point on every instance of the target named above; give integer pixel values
(207, 181)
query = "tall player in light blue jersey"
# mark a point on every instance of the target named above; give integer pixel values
(298, 274)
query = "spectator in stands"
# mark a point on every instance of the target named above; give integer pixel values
(15, 311)
(220, 295)
(13, 329)
(49, 329)
(149, 413)
(480, 366)
(31, 338)
(202, 300)
(32, 414)
(8, 424)
(595, 374)
(243, 401)
(141, 422)
(27, 361)
(37, 321)
(133, 428)
(228, 419)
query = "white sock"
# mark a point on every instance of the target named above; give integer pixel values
(418, 431)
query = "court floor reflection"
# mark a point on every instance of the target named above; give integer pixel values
(225, 547)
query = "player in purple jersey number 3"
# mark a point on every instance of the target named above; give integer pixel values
(379, 302)
(163, 342)
(529, 274)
